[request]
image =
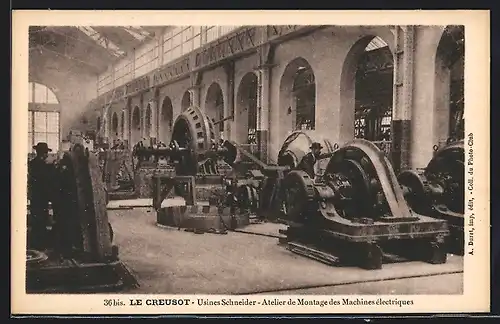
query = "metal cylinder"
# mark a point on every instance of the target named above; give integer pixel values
(298, 143)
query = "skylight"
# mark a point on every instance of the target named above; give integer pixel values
(101, 40)
(376, 43)
(139, 33)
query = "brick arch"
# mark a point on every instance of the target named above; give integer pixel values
(122, 124)
(166, 119)
(348, 75)
(114, 124)
(148, 118)
(215, 104)
(287, 100)
(49, 87)
(186, 101)
(135, 125)
(245, 95)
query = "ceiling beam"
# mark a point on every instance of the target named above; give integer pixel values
(155, 31)
(110, 57)
(95, 68)
(119, 37)
(104, 47)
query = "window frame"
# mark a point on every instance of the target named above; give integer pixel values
(32, 120)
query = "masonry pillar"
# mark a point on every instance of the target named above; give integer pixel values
(142, 109)
(128, 122)
(126, 125)
(194, 94)
(263, 99)
(403, 98)
(229, 105)
(262, 131)
(106, 125)
(153, 105)
(195, 89)
(157, 112)
(428, 95)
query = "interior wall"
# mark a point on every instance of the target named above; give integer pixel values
(73, 88)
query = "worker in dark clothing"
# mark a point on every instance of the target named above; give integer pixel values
(309, 160)
(40, 192)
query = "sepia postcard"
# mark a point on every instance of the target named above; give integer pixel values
(250, 162)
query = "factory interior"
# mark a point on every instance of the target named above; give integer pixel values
(295, 159)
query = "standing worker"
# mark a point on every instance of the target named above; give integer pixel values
(309, 160)
(40, 192)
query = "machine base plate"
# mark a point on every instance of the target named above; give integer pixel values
(74, 277)
(320, 245)
(202, 218)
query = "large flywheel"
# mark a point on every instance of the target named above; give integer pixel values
(193, 132)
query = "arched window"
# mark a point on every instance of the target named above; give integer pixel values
(304, 90)
(373, 95)
(43, 117)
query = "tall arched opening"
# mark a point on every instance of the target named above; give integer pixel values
(246, 109)
(297, 97)
(214, 107)
(98, 124)
(135, 133)
(114, 126)
(449, 91)
(166, 120)
(367, 91)
(147, 122)
(122, 126)
(186, 101)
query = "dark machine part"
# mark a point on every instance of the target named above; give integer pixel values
(438, 190)
(297, 144)
(356, 213)
(193, 142)
(80, 257)
(193, 152)
(294, 148)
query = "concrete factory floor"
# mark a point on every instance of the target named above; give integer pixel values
(172, 261)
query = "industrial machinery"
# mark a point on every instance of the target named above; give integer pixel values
(118, 173)
(438, 190)
(198, 169)
(78, 254)
(354, 211)
(294, 148)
